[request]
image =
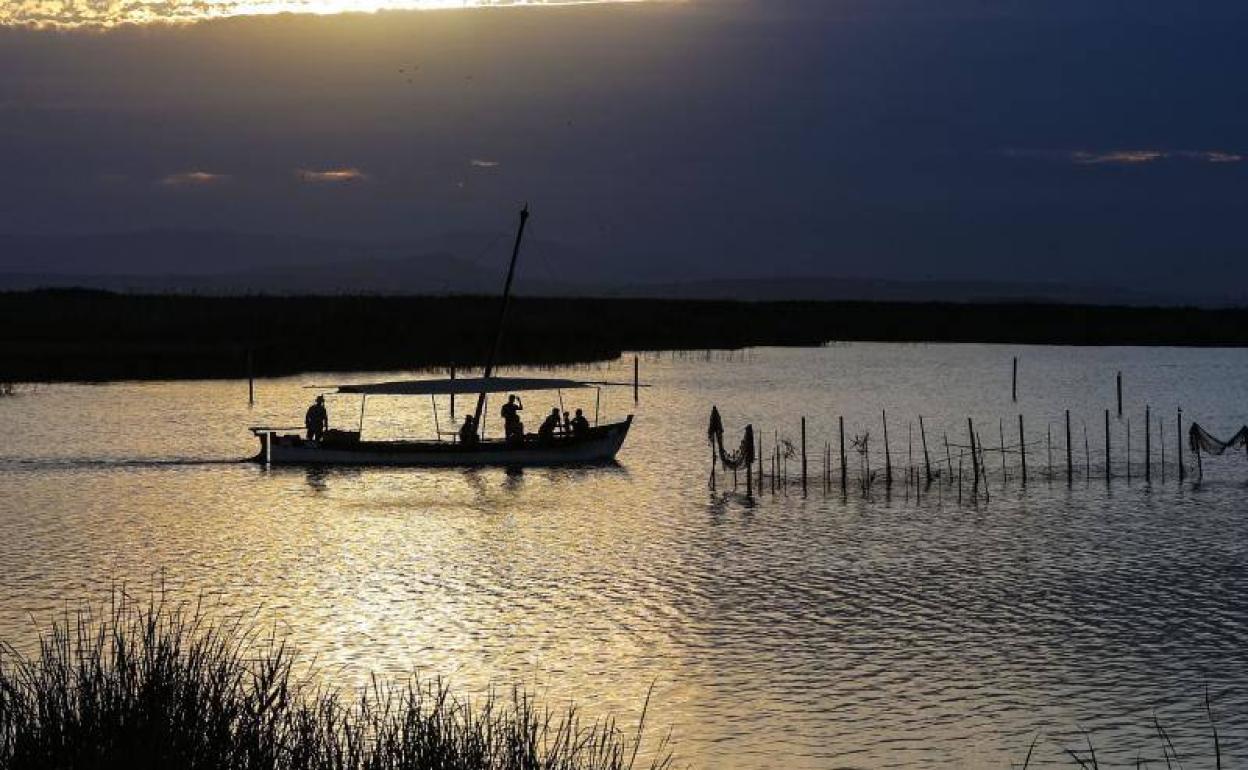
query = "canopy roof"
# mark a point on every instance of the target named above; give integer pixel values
(465, 386)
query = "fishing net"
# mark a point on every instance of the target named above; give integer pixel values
(743, 457)
(1202, 441)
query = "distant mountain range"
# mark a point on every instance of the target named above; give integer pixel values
(223, 262)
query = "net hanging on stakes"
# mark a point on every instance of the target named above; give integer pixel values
(1201, 440)
(743, 457)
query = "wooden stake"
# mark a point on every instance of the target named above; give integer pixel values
(1070, 464)
(452, 396)
(1022, 448)
(636, 380)
(1014, 382)
(970, 431)
(1120, 395)
(949, 458)
(803, 457)
(844, 462)
(888, 457)
(1148, 443)
(749, 466)
(927, 462)
(1179, 427)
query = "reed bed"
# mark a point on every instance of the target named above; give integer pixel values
(157, 685)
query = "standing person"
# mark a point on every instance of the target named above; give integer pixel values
(513, 429)
(316, 420)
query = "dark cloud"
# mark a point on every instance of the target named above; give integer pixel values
(671, 140)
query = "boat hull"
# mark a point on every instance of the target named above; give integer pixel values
(599, 446)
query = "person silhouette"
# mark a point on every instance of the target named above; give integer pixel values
(580, 425)
(316, 420)
(513, 429)
(468, 431)
(550, 426)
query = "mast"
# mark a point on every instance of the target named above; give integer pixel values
(502, 316)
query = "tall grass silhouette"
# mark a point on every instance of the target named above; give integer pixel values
(152, 684)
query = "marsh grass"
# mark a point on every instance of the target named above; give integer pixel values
(157, 685)
(1086, 758)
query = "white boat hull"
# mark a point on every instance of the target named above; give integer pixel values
(599, 446)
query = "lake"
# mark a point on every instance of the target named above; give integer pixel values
(824, 631)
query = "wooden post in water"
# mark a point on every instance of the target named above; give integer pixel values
(1014, 382)
(636, 380)
(1120, 395)
(1200, 466)
(452, 395)
(1179, 426)
(251, 380)
(1148, 443)
(888, 457)
(749, 466)
(803, 457)
(927, 462)
(1022, 448)
(949, 458)
(970, 431)
(844, 463)
(1070, 462)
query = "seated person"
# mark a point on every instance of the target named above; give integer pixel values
(468, 431)
(550, 426)
(580, 426)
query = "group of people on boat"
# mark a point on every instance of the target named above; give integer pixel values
(556, 424)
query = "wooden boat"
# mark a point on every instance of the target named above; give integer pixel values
(598, 444)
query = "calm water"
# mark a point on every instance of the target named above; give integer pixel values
(819, 632)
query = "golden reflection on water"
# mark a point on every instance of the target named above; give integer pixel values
(800, 633)
(110, 13)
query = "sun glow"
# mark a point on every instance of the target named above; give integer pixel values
(111, 13)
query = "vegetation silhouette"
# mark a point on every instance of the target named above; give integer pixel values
(67, 335)
(161, 685)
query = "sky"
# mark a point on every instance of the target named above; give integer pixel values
(1029, 140)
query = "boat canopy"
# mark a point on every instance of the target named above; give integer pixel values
(465, 386)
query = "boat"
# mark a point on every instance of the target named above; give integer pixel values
(594, 445)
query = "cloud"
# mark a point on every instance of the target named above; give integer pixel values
(331, 176)
(194, 179)
(1141, 157)
(1118, 157)
(478, 163)
(1214, 156)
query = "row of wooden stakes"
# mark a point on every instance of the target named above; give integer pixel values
(769, 472)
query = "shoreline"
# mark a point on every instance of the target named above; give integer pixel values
(95, 336)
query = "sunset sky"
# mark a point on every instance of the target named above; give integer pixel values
(1022, 140)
